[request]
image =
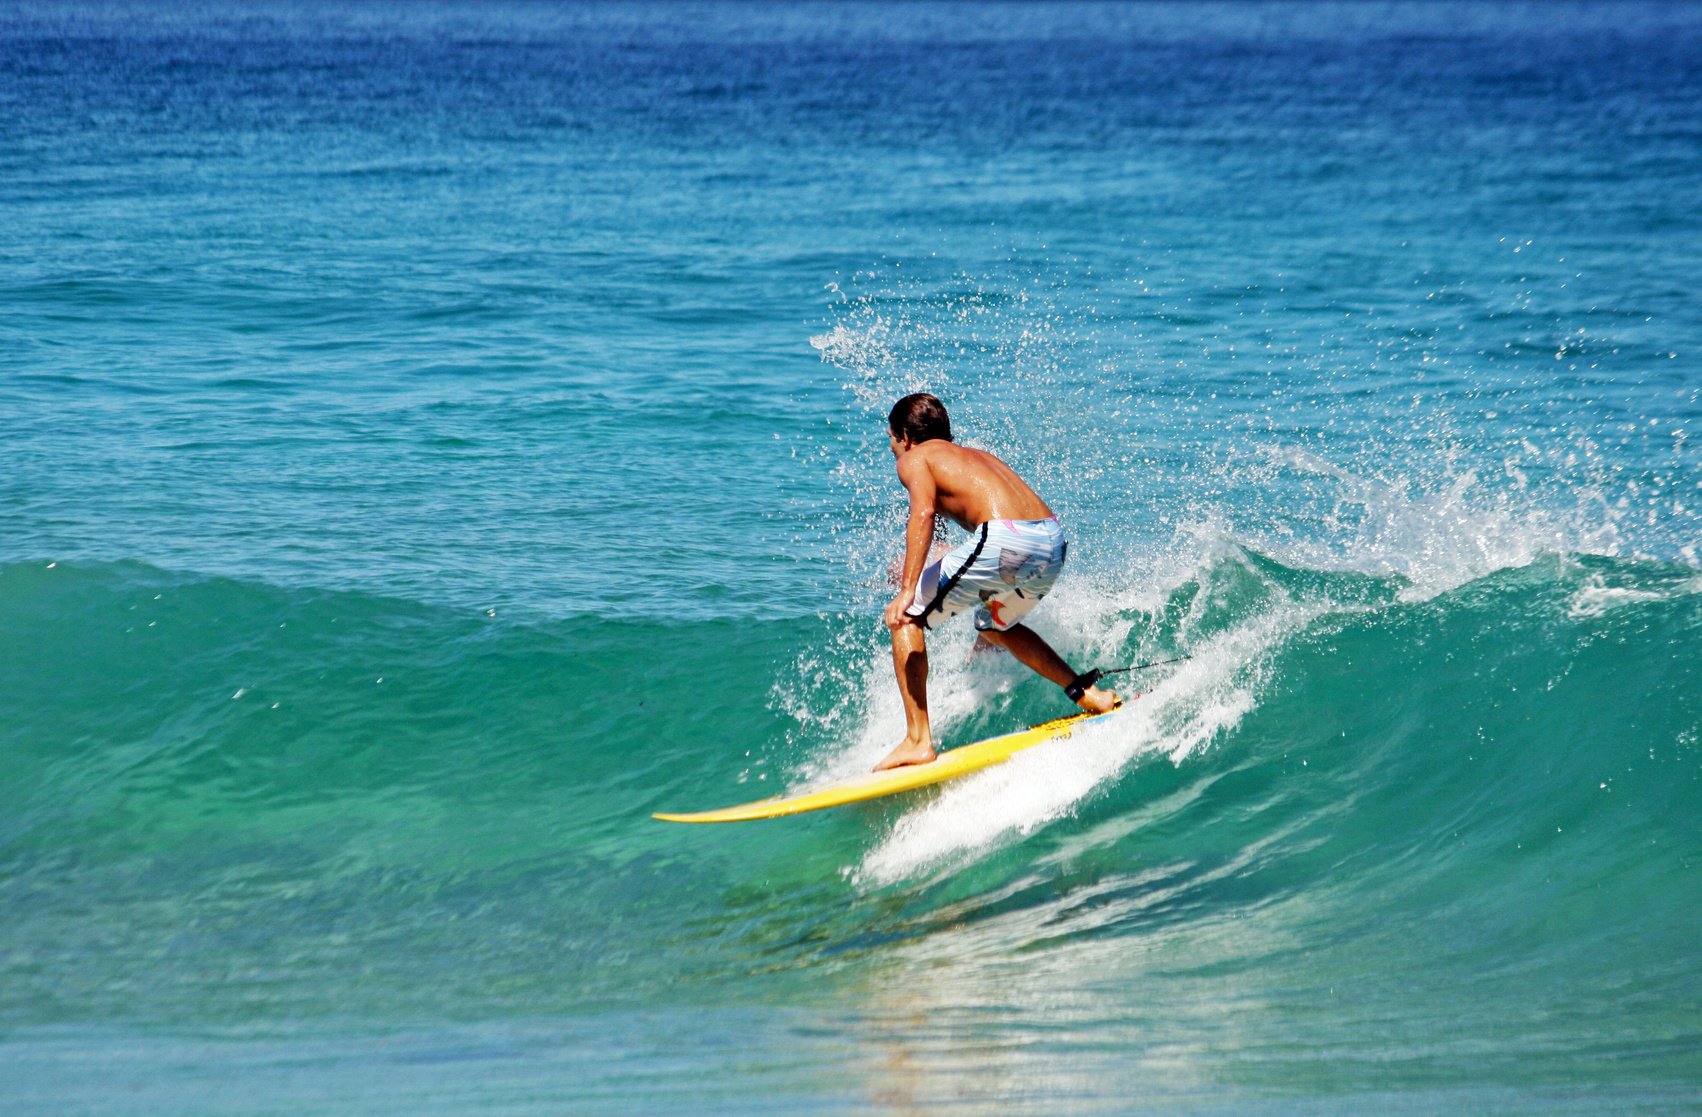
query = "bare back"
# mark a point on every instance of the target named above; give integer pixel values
(972, 486)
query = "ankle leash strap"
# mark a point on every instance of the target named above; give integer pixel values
(1078, 685)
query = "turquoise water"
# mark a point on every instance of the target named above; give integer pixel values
(435, 438)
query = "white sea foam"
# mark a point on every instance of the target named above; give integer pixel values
(1436, 532)
(1181, 714)
(1596, 597)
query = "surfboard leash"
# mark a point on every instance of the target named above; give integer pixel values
(1078, 685)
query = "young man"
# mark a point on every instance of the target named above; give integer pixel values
(1014, 553)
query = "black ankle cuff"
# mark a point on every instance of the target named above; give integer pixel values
(1077, 686)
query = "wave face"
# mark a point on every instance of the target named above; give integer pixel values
(1465, 823)
(435, 436)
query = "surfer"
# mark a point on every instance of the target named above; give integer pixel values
(1013, 555)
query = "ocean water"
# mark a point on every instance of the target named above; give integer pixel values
(435, 436)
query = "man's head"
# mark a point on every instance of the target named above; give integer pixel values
(919, 418)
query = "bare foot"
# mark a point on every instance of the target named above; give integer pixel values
(908, 752)
(1096, 701)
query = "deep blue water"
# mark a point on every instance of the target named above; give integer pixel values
(433, 437)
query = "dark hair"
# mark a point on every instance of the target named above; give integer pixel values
(920, 416)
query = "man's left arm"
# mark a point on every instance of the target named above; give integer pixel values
(918, 535)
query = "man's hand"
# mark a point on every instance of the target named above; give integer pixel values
(897, 610)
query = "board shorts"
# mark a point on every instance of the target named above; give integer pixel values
(1001, 571)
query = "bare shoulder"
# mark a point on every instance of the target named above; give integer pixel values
(950, 456)
(939, 459)
(917, 465)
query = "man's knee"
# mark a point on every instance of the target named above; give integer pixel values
(908, 632)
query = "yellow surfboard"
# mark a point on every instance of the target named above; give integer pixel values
(954, 762)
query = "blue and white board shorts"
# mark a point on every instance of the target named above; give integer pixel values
(1002, 571)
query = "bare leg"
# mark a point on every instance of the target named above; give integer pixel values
(1037, 655)
(910, 664)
